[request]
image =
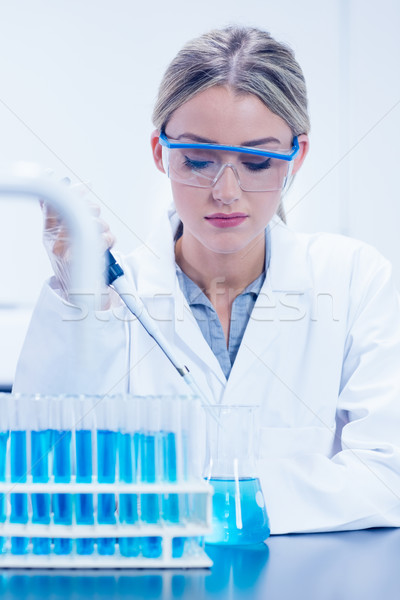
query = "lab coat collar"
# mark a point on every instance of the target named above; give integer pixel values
(156, 259)
(156, 269)
(288, 266)
(287, 275)
(158, 285)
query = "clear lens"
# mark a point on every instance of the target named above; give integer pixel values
(200, 167)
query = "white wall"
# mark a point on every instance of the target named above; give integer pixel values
(77, 85)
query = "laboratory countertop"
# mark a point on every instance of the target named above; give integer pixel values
(324, 566)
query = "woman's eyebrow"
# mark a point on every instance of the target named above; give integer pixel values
(266, 140)
(251, 143)
(195, 138)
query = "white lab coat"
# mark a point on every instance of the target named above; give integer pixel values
(321, 355)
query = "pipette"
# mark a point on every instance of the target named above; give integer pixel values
(115, 277)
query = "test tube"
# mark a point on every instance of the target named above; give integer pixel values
(85, 426)
(149, 455)
(191, 440)
(128, 445)
(40, 446)
(19, 406)
(107, 437)
(61, 422)
(4, 424)
(170, 453)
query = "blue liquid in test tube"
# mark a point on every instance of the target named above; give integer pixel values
(19, 502)
(170, 503)
(3, 456)
(150, 506)
(106, 464)
(84, 502)
(128, 503)
(40, 446)
(62, 503)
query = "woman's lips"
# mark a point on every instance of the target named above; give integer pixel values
(226, 220)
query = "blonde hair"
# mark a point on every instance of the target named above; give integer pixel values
(247, 60)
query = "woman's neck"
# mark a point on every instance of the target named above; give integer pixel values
(230, 272)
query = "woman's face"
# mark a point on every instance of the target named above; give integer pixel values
(219, 116)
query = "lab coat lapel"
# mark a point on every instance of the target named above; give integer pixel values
(191, 337)
(282, 298)
(158, 286)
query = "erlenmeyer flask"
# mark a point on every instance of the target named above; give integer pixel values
(239, 513)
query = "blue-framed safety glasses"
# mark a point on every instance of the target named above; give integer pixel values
(201, 165)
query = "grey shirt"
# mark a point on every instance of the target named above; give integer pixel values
(207, 318)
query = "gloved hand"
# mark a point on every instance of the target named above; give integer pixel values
(56, 238)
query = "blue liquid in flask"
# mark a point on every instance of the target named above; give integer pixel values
(150, 505)
(239, 515)
(128, 503)
(84, 512)
(19, 502)
(3, 456)
(106, 464)
(62, 503)
(40, 446)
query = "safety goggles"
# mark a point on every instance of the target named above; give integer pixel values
(201, 165)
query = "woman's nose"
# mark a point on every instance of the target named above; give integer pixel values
(226, 189)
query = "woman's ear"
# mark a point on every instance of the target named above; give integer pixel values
(304, 144)
(157, 150)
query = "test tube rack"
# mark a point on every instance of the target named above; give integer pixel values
(126, 494)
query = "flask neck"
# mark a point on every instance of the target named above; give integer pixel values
(230, 443)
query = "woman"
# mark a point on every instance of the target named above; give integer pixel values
(307, 326)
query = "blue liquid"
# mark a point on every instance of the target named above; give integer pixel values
(83, 456)
(250, 524)
(106, 456)
(62, 546)
(128, 503)
(128, 508)
(150, 505)
(41, 545)
(3, 456)
(178, 545)
(130, 546)
(170, 502)
(19, 502)
(40, 446)
(62, 503)
(62, 456)
(19, 545)
(84, 502)
(106, 546)
(84, 509)
(186, 513)
(18, 456)
(127, 473)
(106, 464)
(106, 509)
(85, 546)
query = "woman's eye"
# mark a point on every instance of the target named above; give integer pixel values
(196, 164)
(258, 166)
